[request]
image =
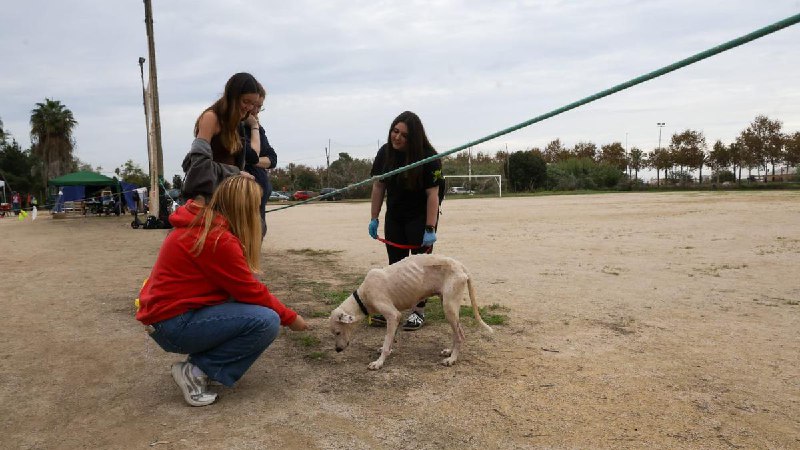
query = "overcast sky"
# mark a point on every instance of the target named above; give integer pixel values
(341, 71)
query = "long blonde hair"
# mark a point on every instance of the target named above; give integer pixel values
(237, 199)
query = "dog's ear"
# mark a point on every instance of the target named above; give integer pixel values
(346, 318)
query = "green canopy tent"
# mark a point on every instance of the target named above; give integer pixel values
(84, 179)
(81, 180)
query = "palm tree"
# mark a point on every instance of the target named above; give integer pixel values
(51, 137)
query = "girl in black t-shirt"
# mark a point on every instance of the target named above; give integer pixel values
(412, 197)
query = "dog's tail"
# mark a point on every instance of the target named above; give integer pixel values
(475, 309)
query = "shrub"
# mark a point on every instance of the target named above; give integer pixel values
(582, 173)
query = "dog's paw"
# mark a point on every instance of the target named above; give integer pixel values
(445, 352)
(448, 361)
(375, 365)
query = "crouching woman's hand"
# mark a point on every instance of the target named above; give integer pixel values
(299, 324)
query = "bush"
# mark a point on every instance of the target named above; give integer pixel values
(724, 175)
(582, 173)
(681, 178)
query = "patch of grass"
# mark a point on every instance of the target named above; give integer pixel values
(330, 297)
(305, 340)
(492, 314)
(335, 297)
(317, 356)
(313, 252)
(312, 285)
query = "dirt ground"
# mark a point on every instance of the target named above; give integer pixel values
(635, 321)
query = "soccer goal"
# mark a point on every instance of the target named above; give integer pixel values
(497, 178)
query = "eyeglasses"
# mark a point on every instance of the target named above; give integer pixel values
(255, 106)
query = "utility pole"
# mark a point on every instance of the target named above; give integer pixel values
(146, 104)
(469, 164)
(156, 158)
(328, 163)
(660, 126)
(508, 163)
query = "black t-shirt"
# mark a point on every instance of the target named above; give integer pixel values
(403, 202)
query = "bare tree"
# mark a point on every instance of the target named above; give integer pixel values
(585, 150)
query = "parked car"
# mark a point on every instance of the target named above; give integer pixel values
(460, 190)
(275, 195)
(302, 195)
(337, 196)
(174, 197)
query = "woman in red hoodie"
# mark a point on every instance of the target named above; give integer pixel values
(202, 297)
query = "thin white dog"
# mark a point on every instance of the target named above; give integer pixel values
(400, 286)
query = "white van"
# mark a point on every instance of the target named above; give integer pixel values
(460, 190)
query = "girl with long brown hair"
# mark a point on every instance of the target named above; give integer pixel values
(221, 132)
(412, 197)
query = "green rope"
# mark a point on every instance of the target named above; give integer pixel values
(789, 21)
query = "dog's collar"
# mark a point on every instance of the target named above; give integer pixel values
(360, 303)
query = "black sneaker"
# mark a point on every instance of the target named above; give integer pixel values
(414, 322)
(376, 321)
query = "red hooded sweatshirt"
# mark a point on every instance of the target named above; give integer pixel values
(180, 282)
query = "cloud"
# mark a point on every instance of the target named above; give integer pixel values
(343, 71)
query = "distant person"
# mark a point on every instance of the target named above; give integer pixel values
(218, 151)
(60, 201)
(136, 199)
(412, 198)
(202, 297)
(258, 163)
(15, 202)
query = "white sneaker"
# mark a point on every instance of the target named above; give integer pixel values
(193, 387)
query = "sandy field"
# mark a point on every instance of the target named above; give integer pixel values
(634, 321)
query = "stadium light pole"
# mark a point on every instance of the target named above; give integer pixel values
(660, 126)
(627, 166)
(469, 164)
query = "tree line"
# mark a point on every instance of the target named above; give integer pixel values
(51, 153)
(761, 146)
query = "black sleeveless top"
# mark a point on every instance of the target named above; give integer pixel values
(222, 154)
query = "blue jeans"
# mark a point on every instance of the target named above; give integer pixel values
(222, 340)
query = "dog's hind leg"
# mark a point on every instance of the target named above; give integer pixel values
(451, 304)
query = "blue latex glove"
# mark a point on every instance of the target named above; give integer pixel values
(373, 228)
(429, 238)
